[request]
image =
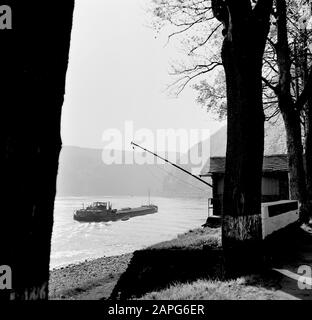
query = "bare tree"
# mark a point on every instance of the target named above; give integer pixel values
(286, 67)
(246, 25)
(289, 80)
(200, 32)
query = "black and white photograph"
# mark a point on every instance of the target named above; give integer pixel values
(156, 154)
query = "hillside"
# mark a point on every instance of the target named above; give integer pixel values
(275, 140)
(83, 173)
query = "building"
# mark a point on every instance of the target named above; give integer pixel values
(275, 183)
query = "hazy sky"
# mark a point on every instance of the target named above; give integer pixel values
(117, 72)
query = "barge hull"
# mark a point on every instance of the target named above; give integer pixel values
(119, 215)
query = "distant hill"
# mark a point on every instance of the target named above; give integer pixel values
(275, 143)
(275, 140)
(83, 173)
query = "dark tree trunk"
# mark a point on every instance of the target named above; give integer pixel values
(34, 58)
(245, 37)
(291, 116)
(245, 144)
(297, 183)
(242, 188)
(308, 147)
(307, 117)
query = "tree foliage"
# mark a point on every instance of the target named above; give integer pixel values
(200, 34)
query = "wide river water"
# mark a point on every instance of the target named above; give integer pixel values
(74, 241)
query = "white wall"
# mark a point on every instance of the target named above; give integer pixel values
(278, 222)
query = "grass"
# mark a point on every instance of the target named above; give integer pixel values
(193, 239)
(185, 269)
(251, 287)
(263, 286)
(188, 257)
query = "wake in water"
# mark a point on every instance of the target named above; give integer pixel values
(74, 241)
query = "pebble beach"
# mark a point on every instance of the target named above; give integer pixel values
(88, 280)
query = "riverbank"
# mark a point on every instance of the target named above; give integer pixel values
(88, 280)
(96, 278)
(181, 264)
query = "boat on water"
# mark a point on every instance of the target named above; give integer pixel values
(103, 212)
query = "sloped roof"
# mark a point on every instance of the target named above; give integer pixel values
(272, 163)
(275, 163)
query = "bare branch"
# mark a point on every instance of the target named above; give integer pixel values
(268, 83)
(305, 95)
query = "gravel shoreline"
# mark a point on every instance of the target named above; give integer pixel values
(95, 279)
(79, 281)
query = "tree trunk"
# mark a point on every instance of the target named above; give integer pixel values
(241, 225)
(34, 59)
(308, 147)
(242, 53)
(290, 115)
(297, 182)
